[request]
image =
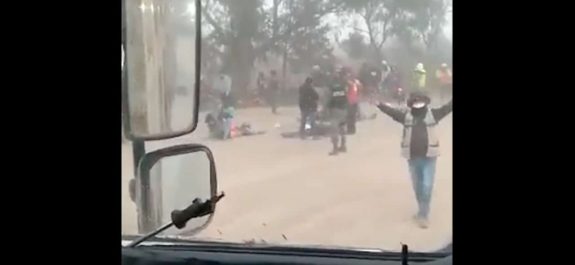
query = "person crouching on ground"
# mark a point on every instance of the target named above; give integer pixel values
(419, 145)
(308, 99)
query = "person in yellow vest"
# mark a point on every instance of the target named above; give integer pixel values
(419, 145)
(419, 77)
(445, 79)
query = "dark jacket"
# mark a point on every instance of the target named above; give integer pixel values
(308, 98)
(419, 132)
(338, 95)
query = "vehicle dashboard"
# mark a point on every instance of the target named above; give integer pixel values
(223, 254)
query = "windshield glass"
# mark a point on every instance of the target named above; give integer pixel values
(329, 120)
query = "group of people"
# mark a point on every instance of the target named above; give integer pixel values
(220, 119)
(419, 143)
(344, 90)
(342, 93)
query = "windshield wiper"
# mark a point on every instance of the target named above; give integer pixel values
(181, 217)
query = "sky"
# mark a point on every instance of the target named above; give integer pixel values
(344, 31)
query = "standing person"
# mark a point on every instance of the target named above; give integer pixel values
(444, 78)
(353, 103)
(261, 84)
(227, 113)
(420, 146)
(222, 85)
(394, 86)
(308, 99)
(337, 108)
(385, 71)
(321, 79)
(367, 77)
(273, 90)
(419, 78)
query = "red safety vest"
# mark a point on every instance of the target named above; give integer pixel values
(444, 77)
(353, 92)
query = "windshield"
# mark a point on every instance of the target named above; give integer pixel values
(329, 120)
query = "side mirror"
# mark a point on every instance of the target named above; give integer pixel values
(171, 179)
(161, 61)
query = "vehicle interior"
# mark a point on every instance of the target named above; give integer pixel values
(286, 132)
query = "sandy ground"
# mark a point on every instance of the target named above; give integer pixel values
(289, 191)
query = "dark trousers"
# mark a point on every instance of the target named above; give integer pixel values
(351, 118)
(307, 114)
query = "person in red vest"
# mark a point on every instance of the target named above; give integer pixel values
(352, 100)
(445, 80)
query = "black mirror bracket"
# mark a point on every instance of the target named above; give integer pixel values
(181, 217)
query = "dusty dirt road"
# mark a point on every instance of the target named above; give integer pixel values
(290, 191)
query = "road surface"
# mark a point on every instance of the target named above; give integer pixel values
(289, 191)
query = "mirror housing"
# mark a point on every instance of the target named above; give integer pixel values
(161, 55)
(170, 179)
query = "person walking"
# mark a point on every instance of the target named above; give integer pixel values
(419, 145)
(261, 84)
(337, 108)
(308, 103)
(273, 90)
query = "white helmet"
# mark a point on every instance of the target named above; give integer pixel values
(443, 65)
(384, 62)
(316, 67)
(419, 67)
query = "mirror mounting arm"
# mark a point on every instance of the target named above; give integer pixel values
(180, 218)
(196, 209)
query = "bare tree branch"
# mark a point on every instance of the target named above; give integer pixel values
(384, 32)
(217, 28)
(361, 30)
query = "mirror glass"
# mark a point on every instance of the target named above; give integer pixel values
(176, 181)
(160, 66)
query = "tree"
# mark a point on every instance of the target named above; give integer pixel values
(424, 20)
(355, 46)
(296, 33)
(379, 18)
(234, 26)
